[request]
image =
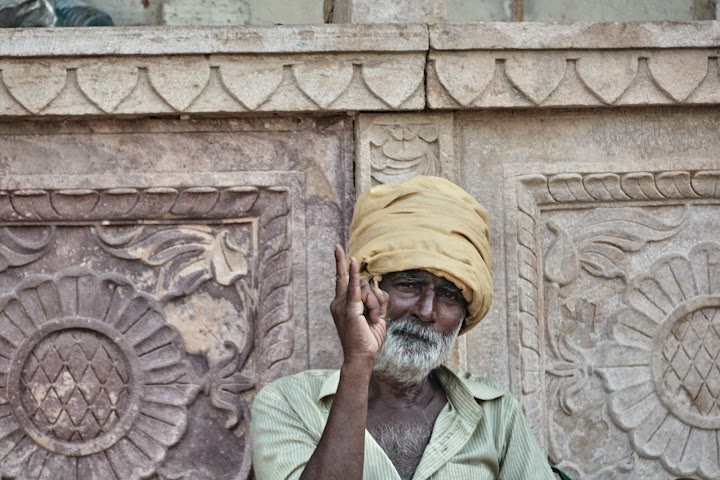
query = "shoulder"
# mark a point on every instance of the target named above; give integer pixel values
(306, 384)
(483, 388)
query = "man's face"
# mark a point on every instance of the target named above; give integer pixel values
(426, 298)
(425, 313)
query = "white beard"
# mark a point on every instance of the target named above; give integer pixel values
(408, 360)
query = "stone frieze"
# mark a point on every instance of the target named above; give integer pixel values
(352, 68)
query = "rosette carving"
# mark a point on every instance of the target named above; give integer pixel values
(664, 372)
(95, 385)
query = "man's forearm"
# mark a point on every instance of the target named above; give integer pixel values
(340, 453)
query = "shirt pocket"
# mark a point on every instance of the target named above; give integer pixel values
(464, 471)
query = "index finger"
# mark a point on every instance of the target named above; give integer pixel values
(341, 272)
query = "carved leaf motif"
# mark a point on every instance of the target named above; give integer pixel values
(251, 82)
(16, 252)
(465, 75)
(607, 236)
(561, 261)
(189, 256)
(34, 84)
(224, 383)
(678, 73)
(394, 81)
(179, 81)
(608, 73)
(274, 341)
(408, 142)
(325, 81)
(536, 74)
(106, 83)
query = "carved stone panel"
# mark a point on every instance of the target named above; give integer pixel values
(153, 275)
(391, 148)
(617, 319)
(127, 311)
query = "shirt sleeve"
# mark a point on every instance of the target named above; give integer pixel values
(521, 456)
(282, 443)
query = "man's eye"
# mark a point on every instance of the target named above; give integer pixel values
(451, 296)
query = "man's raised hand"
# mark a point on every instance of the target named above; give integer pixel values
(358, 310)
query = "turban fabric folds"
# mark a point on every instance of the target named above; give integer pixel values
(425, 223)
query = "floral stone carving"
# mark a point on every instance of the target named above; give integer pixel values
(155, 381)
(669, 395)
(617, 331)
(402, 151)
(94, 384)
(392, 148)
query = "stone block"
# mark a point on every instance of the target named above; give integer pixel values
(130, 12)
(386, 11)
(617, 10)
(391, 148)
(462, 11)
(156, 274)
(471, 66)
(204, 12)
(272, 12)
(606, 219)
(293, 76)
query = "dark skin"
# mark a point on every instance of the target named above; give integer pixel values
(364, 399)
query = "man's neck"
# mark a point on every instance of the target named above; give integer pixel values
(393, 394)
(401, 418)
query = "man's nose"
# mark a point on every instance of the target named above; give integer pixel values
(425, 305)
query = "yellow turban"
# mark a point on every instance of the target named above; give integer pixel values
(425, 223)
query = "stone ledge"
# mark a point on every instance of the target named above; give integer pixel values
(99, 41)
(574, 36)
(204, 71)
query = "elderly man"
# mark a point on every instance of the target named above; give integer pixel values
(418, 276)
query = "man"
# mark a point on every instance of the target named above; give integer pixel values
(392, 411)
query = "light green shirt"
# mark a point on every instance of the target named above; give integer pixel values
(480, 433)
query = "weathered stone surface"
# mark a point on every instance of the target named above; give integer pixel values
(486, 65)
(460, 11)
(130, 12)
(148, 298)
(221, 229)
(478, 79)
(213, 40)
(357, 68)
(581, 36)
(273, 12)
(386, 11)
(204, 12)
(609, 217)
(391, 148)
(617, 10)
(371, 78)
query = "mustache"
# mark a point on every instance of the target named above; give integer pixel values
(409, 327)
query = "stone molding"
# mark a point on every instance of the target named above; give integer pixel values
(571, 78)
(211, 71)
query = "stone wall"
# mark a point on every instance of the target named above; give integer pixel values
(169, 200)
(270, 12)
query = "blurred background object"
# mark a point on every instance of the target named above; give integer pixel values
(27, 13)
(51, 13)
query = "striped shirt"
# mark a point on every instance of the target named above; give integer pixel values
(480, 433)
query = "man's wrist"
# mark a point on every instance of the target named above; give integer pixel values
(357, 367)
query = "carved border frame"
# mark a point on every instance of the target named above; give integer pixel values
(280, 324)
(528, 195)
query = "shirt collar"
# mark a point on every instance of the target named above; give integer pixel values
(330, 385)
